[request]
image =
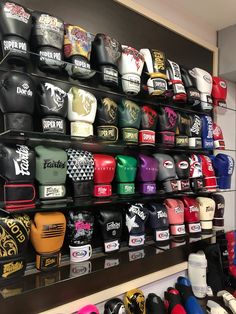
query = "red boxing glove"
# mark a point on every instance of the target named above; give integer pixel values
(175, 212)
(173, 302)
(218, 137)
(147, 135)
(104, 171)
(219, 91)
(88, 309)
(208, 173)
(191, 215)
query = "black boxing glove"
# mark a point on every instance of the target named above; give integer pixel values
(158, 221)
(182, 168)
(154, 304)
(166, 126)
(17, 100)
(195, 139)
(183, 130)
(193, 94)
(218, 220)
(114, 306)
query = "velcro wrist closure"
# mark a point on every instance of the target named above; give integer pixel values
(181, 140)
(178, 87)
(108, 132)
(194, 227)
(54, 125)
(183, 185)
(81, 128)
(102, 190)
(206, 226)
(109, 75)
(197, 183)
(170, 186)
(162, 235)
(166, 138)
(125, 188)
(130, 135)
(136, 240)
(146, 137)
(11, 267)
(210, 183)
(177, 230)
(218, 222)
(157, 85)
(147, 188)
(19, 194)
(18, 121)
(52, 191)
(195, 142)
(111, 246)
(83, 188)
(80, 253)
(48, 261)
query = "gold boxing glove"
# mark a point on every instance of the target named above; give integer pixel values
(134, 301)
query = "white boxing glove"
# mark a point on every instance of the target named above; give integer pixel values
(207, 211)
(215, 308)
(130, 67)
(229, 300)
(82, 107)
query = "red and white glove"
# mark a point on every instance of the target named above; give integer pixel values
(219, 142)
(219, 91)
(208, 173)
(191, 215)
(175, 212)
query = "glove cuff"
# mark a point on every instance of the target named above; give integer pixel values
(196, 184)
(83, 188)
(136, 240)
(131, 83)
(125, 188)
(194, 228)
(111, 246)
(54, 125)
(81, 128)
(146, 137)
(183, 185)
(11, 267)
(80, 253)
(177, 229)
(18, 121)
(108, 132)
(102, 190)
(147, 188)
(19, 196)
(162, 236)
(48, 261)
(166, 138)
(206, 226)
(170, 185)
(51, 191)
(130, 135)
(195, 142)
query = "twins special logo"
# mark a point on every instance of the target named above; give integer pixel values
(57, 94)
(207, 78)
(17, 12)
(223, 84)
(111, 110)
(135, 55)
(24, 90)
(21, 162)
(112, 47)
(168, 164)
(183, 165)
(171, 117)
(133, 110)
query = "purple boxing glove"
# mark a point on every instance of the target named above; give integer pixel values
(147, 174)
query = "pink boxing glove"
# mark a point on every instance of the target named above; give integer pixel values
(175, 212)
(88, 309)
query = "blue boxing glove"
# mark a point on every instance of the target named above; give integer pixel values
(207, 132)
(191, 304)
(224, 167)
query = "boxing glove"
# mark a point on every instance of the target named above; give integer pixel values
(218, 220)
(126, 168)
(136, 217)
(183, 130)
(82, 107)
(17, 88)
(79, 235)
(110, 221)
(175, 81)
(224, 167)
(155, 65)
(148, 125)
(88, 309)
(77, 51)
(15, 230)
(105, 55)
(158, 221)
(53, 106)
(195, 133)
(182, 168)
(175, 212)
(15, 27)
(80, 169)
(154, 304)
(207, 132)
(173, 302)
(207, 211)
(190, 303)
(47, 40)
(214, 308)
(208, 173)
(147, 174)
(196, 176)
(219, 91)
(197, 265)
(47, 235)
(218, 138)
(104, 171)
(114, 306)
(17, 169)
(229, 300)
(134, 301)
(107, 119)
(129, 120)
(166, 174)
(191, 216)
(166, 126)
(130, 67)
(193, 94)
(51, 172)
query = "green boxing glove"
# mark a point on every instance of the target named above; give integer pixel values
(129, 120)
(51, 167)
(126, 168)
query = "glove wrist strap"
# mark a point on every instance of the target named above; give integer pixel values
(131, 83)
(80, 253)
(197, 183)
(54, 125)
(111, 246)
(83, 188)
(218, 222)
(19, 195)
(183, 185)
(162, 236)
(206, 226)
(48, 261)
(125, 188)
(130, 135)
(157, 84)
(146, 137)
(136, 240)
(52, 191)
(193, 227)
(181, 140)
(210, 183)
(147, 188)
(81, 128)
(108, 132)
(11, 267)
(102, 190)
(195, 142)
(170, 185)
(177, 229)
(166, 138)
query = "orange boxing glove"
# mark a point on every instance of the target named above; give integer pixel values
(47, 236)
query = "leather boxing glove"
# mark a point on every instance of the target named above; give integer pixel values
(114, 306)
(107, 119)
(182, 168)
(224, 167)
(17, 168)
(173, 302)
(104, 171)
(51, 173)
(16, 87)
(147, 174)
(196, 176)
(130, 67)
(191, 216)
(88, 309)
(79, 235)
(148, 125)
(218, 138)
(193, 94)
(219, 91)
(155, 65)
(47, 41)
(129, 120)
(80, 169)
(53, 106)
(207, 211)
(77, 51)
(47, 236)
(134, 301)
(195, 133)
(110, 221)
(183, 130)
(229, 300)
(175, 81)
(105, 55)
(175, 211)
(166, 126)
(218, 220)
(208, 173)
(166, 174)
(214, 308)
(14, 239)
(207, 132)
(154, 304)
(126, 168)
(203, 82)
(197, 265)
(15, 27)
(136, 217)
(159, 223)
(82, 107)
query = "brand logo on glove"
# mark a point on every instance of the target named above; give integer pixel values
(207, 78)
(15, 11)
(82, 225)
(183, 164)
(48, 163)
(136, 210)
(168, 164)
(194, 93)
(21, 163)
(193, 209)
(112, 225)
(110, 108)
(195, 227)
(81, 253)
(164, 235)
(137, 241)
(179, 210)
(209, 209)
(231, 165)
(112, 245)
(161, 214)
(51, 22)
(196, 125)
(24, 90)
(171, 117)
(10, 268)
(223, 84)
